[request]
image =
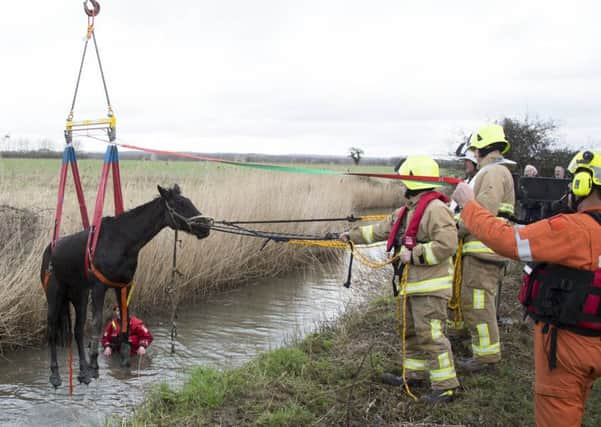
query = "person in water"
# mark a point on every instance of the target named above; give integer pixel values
(139, 335)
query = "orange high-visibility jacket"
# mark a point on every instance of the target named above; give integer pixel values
(572, 240)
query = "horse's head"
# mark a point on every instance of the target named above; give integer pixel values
(182, 214)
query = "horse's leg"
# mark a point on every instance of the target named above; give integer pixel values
(125, 345)
(56, 302)
(80, 301)
(98, 294)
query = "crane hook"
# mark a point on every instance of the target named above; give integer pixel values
(94, 10)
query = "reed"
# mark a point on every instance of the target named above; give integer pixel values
(221, 261)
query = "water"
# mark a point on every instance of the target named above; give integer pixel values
(223, 331)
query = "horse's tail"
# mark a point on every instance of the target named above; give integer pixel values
(45, 263)
(64, 330)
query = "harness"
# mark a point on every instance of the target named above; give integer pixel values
(409, 239)
(563, 298)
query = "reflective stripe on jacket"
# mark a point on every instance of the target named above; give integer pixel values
(572, 240)
(494, 190)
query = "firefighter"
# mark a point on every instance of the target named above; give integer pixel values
(424, 235)
(139, 335)
(563, 295)
(482, 268)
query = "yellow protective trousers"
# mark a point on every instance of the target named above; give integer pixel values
(478, 294)
(428, 353)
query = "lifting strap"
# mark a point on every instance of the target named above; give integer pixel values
(111, 162)
(69, 159)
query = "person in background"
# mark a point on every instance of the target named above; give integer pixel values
(470, 165)
(139, 335)
(530, 171)
(559, 173)
(560, 290)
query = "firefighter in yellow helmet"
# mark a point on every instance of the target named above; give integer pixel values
(482, 268)
(560, 291)
(424, 235)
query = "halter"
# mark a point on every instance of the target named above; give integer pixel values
(189, 222)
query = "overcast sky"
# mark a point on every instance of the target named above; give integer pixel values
(279, 76)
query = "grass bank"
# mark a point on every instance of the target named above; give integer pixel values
(29, 188)
(331, 378)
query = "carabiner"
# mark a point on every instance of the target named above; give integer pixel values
(95, 10)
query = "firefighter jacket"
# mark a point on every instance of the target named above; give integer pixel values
(431, 268)
(139, 335)
(571, 240)
(493, 189)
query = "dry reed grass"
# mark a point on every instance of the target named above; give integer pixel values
(218, 262)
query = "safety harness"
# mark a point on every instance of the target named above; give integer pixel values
(563, 298)
(409, 239)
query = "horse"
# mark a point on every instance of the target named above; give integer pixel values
(115, 261)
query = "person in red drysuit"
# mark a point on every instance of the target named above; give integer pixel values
(139, 335)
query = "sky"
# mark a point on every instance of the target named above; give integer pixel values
(309, 77)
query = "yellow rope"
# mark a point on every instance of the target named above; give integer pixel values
(338, 244)
(373, 217)
(455, 301)
(403, 294)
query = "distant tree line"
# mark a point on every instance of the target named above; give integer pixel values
(536, 142)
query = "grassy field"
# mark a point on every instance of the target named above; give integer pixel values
(331, 378)
(28, 192)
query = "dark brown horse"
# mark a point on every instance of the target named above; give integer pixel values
(116, 259)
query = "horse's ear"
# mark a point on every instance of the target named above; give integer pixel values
(163, 192)
(176, 189)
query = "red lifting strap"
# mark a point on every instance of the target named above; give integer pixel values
(410, 238)
(111, 161)
(69, 159)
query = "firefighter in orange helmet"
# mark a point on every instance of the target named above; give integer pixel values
(424, 236)
(563, 295)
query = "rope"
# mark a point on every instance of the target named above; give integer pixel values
(106, 92)
(350, 218)
(337, 244)
(403, 293)
(70, 368)
(448, 180)
(83, 56)
(455, 301)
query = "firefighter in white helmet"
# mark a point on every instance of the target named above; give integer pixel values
(424, 235)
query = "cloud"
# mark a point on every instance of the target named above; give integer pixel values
(312, 77)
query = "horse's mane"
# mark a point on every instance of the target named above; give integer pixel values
(129, 212)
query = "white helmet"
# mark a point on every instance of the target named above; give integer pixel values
(469, 155)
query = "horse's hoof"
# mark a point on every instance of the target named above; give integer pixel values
(55, 380)
(84, 378)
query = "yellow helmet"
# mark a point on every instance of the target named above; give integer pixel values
(488, 135)
(586, 168)
(420, 166)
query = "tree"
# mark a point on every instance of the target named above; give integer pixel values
(356, 154)
(535, 142)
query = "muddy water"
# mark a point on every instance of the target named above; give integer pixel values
(223, 331)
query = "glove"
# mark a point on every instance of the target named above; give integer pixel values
(406, 257)
(141, 350)
(107, 351)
